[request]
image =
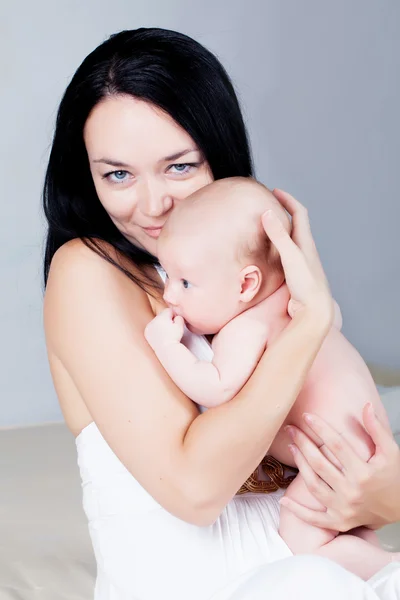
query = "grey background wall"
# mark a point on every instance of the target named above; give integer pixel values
(319, 84)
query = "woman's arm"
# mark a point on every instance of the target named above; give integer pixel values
(359, 493)
(192, 465)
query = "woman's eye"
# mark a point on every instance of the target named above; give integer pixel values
(116, 176)
(183, 168)
(186, 284)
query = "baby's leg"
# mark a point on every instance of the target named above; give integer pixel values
(301, 537)
(364, 533)
(362, 557)
(357, 555)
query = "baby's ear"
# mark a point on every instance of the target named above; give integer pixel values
(250, 283)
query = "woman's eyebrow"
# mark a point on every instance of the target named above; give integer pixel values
(179, 154)
(117, 163)
(109, 161)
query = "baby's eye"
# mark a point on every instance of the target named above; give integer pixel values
(186, 284)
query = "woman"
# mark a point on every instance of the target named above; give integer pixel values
(149, 117)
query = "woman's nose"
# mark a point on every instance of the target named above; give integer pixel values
(155, 200)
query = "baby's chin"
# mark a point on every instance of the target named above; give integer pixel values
(198, 330)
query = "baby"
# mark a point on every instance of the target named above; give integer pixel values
(225, 278)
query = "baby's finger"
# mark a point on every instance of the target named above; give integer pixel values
(178, 320)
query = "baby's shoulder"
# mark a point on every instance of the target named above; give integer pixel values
(247, 326)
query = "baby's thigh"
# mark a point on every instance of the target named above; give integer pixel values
(336, 409)
(305, 403)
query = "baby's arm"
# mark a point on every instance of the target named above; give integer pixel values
(237, 349)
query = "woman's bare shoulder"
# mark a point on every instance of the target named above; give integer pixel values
(77, 269)
(95, 318)
(81, 257)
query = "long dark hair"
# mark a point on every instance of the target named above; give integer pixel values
(173, 72)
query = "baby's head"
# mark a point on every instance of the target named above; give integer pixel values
(217, 257)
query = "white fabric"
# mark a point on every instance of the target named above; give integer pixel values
(144, 553)
(311, 578)
(45, 548)
(386, 582)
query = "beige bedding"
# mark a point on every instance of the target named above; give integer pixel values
(45, 551)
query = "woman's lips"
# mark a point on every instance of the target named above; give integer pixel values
(153, 232)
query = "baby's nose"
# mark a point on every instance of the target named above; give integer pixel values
(169, 296)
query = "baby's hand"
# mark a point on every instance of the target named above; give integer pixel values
(164, 329)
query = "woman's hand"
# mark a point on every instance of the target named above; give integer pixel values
(304, 274)
(354, 492)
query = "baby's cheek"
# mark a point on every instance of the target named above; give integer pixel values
(218, 317)
(204, 318)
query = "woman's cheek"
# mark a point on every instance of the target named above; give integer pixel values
(119, 204)
(196, 183)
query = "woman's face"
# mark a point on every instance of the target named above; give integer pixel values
(142, 164)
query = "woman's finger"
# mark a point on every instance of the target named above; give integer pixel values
(331, 457)
(315, 485)
(278, 234)
(317, 518)
(306, 289)
(301, 233)
(380, 434)
(301, 224)
(336, 444)
(291, 256)
(317, 461)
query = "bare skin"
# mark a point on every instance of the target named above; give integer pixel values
(102, 366)
(213, 282)
(104, 370)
